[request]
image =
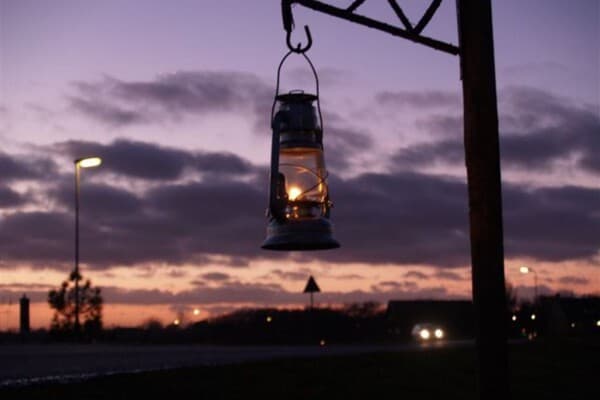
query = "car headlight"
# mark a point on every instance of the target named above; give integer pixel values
(439, 333)
(424, 334)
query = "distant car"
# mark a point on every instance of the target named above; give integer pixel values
(427, 332)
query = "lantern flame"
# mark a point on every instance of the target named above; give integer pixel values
(294, 192)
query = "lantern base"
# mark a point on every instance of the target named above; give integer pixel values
(314, 234)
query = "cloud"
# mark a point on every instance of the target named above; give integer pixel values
(149, 161)
(441, 274)
(103, 111)
(170, 97)
(573, 280)
(421, 99)
(10, 198)
(449, 275)
(199, 93)
(350, 276)
(442, 125)
(397, 217)
(416, 274)
(215, 276)
(427, 154)
(344, 145)
(235, 293)
(14, 167)
(537, 130)
(25, 286)
(301, 275)
(386, 286)
(41, 237)
(551, 224)
(101, 202)
(229, 292)
(400, 218)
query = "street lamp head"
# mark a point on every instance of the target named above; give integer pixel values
(88, 162)
(524, 270)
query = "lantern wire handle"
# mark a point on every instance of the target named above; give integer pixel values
(314, 71)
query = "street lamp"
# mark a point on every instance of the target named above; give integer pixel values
(299, 202)
(526, 270)
(85, 162)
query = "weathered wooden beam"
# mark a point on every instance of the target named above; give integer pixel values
(482, 157)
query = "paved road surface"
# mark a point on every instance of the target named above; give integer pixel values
(26, 364)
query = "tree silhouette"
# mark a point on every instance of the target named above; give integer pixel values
(62, 301)
(511, 297)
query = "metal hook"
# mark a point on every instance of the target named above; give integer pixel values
(298, 48)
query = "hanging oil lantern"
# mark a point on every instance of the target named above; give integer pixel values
(299, 201)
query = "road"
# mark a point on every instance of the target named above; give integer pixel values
(28, 364)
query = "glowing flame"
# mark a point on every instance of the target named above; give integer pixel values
(294, 192)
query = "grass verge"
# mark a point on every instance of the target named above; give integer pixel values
(542, 370)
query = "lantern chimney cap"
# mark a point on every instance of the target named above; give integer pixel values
(296, 96)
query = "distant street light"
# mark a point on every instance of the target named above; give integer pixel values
(526, 270)
(86, 162)
(89, 162)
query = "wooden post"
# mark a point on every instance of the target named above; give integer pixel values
(482, 157)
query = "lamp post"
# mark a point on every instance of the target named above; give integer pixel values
(526, 270)
(86, 162)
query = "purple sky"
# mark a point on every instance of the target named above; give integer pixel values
(176, 100)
